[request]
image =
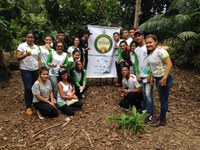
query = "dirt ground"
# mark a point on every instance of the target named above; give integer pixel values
(89, 128)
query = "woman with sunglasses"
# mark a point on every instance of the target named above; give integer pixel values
(56, 60)
(29, 56)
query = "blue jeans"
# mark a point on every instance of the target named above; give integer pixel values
(54, 82)
(163, 92)
(28, 78)
(147, 91)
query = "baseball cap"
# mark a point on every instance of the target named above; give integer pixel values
(86, 31)
(138, 32)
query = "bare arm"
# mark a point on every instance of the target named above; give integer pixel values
(62, 95)
(21, 56)
(168, 63)
(39, 61)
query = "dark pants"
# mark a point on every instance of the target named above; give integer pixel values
(78, 93)
(70, 110)
(119, 72)
(163, 92)
(86, 60)
(46, 109)
(132, 99)
(28, 78)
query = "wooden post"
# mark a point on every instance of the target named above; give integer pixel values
(137, 13)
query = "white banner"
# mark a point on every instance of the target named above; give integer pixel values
(101, 56)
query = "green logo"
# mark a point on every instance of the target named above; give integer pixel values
(103, 43)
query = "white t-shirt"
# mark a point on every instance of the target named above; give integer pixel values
(44, 55)
(71, 49)
(57, 60)
(30, 62)
(156, 61)
(131, 83)
(141, 53)
(128, 41)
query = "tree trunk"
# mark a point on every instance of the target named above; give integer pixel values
(4, 72)
(137, 13)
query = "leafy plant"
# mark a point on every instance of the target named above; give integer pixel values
(133, 122)
(180, 27)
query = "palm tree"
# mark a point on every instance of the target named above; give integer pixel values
(179, 26)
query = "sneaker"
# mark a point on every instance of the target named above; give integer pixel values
(148, 119)
(29, 111)
(40, 116)
(144, 111)
(158, 123)
(127, 109)
(83, 96)
(118, 85)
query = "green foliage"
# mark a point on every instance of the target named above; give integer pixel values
(133, 122)
(50, 16)
(180, 27)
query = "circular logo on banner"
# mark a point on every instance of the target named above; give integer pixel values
(103, 43)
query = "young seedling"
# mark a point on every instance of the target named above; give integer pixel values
(133, 122)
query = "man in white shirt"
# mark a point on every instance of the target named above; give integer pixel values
(125, 34)
(131, 90)
(142, 72)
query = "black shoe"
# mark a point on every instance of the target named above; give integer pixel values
(158, 123)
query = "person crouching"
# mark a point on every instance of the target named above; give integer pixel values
(131, 90)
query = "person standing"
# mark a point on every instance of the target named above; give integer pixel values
(84, 45)
(142, 73)
(77, 46)
(133, 56)
(45, 50)
(126, 37)
(60, 38)
(161, 65)
(118, 52)
(56, 60)
(132, 31)
(30, 61)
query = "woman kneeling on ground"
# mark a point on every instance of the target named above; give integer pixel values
(66, 98)
(79, 78)
(43, 99)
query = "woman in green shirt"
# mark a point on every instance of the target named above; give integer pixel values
(79, 78)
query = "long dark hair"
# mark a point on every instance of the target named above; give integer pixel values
(63, 71)
(42, 69)
(154, 37)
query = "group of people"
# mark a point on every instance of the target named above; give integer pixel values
(54, 74)
(139, 64)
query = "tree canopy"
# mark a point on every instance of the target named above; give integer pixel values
(179, 26)
(49, 16)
